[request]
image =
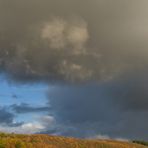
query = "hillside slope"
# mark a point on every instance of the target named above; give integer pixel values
(45, 141)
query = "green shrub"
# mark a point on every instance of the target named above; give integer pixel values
(19, 145)
(140, 142)
(2, 135)
(34, 141)
(2, 145)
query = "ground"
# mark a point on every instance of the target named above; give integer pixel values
(46, 141)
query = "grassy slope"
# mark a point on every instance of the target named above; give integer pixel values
(45, 141)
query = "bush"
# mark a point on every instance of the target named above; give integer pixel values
(2, 145)
(3, 135)
(141, 142)
(19, 145)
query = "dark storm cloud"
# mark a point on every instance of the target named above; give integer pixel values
(84, 110)
(72, 40)
(82, 41)
(7, 118)
(131, 92)
(96, 110)
(26, 108)
(83, 103)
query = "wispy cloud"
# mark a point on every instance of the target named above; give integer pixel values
(26, 108)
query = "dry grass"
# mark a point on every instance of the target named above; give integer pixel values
(45, 141)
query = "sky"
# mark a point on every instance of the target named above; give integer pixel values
(74, 67)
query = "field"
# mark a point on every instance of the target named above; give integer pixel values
(45, 141)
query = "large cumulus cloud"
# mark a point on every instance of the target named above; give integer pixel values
(40, 40)
(82, 41)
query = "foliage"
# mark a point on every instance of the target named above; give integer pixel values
(19, 144)
(2, 145)
(141, 142)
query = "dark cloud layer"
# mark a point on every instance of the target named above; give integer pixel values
(81, 41)
(7, 118)
(40, 40)
(26, 108)
(98, 110)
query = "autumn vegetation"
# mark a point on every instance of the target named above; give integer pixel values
(46, 141)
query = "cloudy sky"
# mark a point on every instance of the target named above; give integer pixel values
(74, 67)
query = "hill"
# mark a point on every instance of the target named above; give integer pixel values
(45, 141)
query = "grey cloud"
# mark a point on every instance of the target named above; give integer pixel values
(7, 118)
(96, 109)
(42, 41)
(129, 91)
(26, 108)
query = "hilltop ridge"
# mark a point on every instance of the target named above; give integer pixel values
(46, 141)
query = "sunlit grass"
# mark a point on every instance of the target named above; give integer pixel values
(45, 141)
